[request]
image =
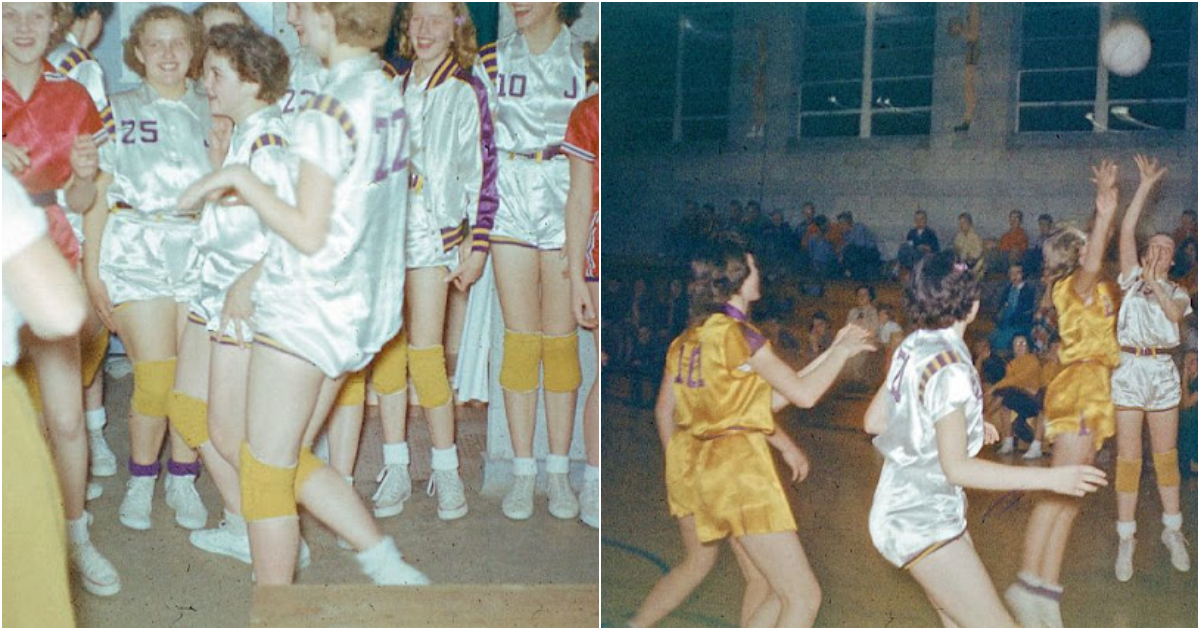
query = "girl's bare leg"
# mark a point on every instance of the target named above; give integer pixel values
(591, 411)
(147, 330)
(427, 293)
(517, 281)
(781, 559)
(960, 588)
(673, 588)
(760, 606)
(57, 365)
(1129, 447)
(558, 319)
(1164, 438)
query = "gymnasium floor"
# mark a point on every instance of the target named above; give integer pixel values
(640, 540)
(167, 582)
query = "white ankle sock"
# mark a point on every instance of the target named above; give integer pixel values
(1126, 529)
(395, 454)
(1173, 521)
(445, 458)
(560, 464)
(77, 530)
(524, 466)
(591, 473)
(96, 419)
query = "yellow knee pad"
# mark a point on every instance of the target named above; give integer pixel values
(522, 355)
(429, 375)
(91, 354)
(354, 390)
(389, 373)
(305, 467)
(189, 418)
(560, 363)
(152, 383)
(267, 491)
(1166, 468)
(1129, 475)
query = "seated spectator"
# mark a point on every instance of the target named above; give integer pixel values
(1187, 227)
(968, 245)
(1032, 262)
(819, 337)
(1187, 415)
(808, 217)
(1014, 397)
(990, 366)
(1015, 316)
(1015, 242)
(821, 253)
(777, 246)
(835, 233)
(920, 240)
(1050, 368)
(864, 312)
(859, 253)
(1184, 266)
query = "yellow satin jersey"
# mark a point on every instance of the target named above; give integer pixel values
(715, 389)
(1088, 330)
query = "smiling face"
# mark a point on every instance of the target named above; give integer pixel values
(431, 30)
(1020, 346)
(530, 15)
(228, 95)
(27, 30)
(165, 52)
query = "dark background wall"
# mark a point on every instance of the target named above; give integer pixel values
(988, 171)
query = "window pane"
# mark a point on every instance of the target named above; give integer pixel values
(829, 126)
(1064, 85)
(904, 92)
(816, 98)
(1059, 118)
(1159, 115)
(895, 124)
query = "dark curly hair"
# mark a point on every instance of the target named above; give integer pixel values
(255, 56)
(568, 12)
(718, 272)
(942, 292)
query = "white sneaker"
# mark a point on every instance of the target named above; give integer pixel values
(1034, 452)
(94, 490)
(104, 461)
(1006, 447)
(518, 503)
(589, 503)
(181, 493)
(225, 540)
(563, 503)
(1051, 613)
(1124, 566)
(386, 567)
(1025, 605)
(451, 498)
(96, 573)
(135, 507)
(1177, 545)
(395, 487)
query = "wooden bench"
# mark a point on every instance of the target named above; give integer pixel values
(452, 605)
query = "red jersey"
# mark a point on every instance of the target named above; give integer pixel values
(58, 110)
(583, 141)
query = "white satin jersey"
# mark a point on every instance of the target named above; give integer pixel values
(453, 153)
(531, 95)
(232, 239)
(75, 62)
(337, 307)
(1142, 323)
(915, 505)
(157, 149)
(306, 74)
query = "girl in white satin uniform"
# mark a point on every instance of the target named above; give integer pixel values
(536, 76)
(330, 293)
(141, 256)
(928, 415)
(452, 204)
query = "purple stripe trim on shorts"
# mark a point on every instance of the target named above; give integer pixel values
(143, 470)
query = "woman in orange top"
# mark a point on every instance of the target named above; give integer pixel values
(1015, 396)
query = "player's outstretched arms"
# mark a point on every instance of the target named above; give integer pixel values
(1150, 175)
(1107, 195)
(805, 388)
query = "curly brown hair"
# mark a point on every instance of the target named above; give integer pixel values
(718, 273)
(363, 24)
(463, 45)
(191, 27)
(63, 15)
(254, 55)
(228, 7)
(942, 291)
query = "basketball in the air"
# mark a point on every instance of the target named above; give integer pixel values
(1125, 48)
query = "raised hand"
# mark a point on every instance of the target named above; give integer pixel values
(854, 340)
(1105, 178)
(1077, 480)
(1149, 170)
(85, 158)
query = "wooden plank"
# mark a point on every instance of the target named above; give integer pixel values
(452, 606)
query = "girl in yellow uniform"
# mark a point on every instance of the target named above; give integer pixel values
(715, 413)
(1078, 406)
